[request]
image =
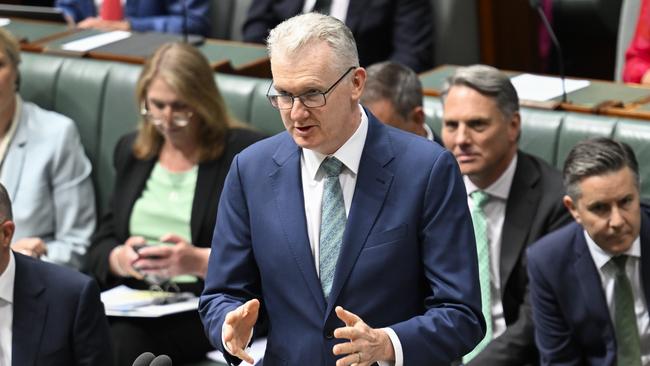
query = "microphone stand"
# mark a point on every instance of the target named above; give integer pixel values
(538, 6)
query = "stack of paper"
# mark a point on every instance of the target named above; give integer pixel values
(125, 301)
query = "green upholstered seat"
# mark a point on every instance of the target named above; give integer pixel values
(433, 113)
(237, 91)
(263, 116)
(580, 126)
(637, 134)
(38, 76)
(539, 133)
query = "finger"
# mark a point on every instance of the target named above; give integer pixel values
(350, 333)
(344, 348)
(351, 359)
(159, 251)
(349, 318)
(145, 264)
(244, 356)
(172, 238)
(134, 240)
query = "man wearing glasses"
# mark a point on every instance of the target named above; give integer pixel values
(350, 239)
(49, 314)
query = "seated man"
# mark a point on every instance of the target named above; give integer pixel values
(49, 315)
(45, 170)
(143, 15)
(397, 30)
(589, 281)
(515, 198)
(393, 93)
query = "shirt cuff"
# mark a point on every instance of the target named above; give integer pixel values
(397, 348)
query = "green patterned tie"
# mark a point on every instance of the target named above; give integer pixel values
(627, 333)
(332, 223)
(479, 199)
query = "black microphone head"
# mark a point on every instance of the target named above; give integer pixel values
(534, 3)
(144, 359)
(161, 360)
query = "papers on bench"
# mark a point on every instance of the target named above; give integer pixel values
(4, 21)
(256, 350)
(543, 88)
(127, 302)
(89, 43)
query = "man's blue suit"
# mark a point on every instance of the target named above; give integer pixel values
(58, 318)
(408, 258)
(396, 30)
(150, 15)
(570, 313)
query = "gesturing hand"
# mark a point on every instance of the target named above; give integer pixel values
(366, 346)
(238, 327)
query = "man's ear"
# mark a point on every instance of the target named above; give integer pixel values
(7, 229)
(417, 115)
(572, 207)
(358, 82)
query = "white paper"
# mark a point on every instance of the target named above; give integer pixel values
(124, 301)
(256, 350)
(88, 43)
(542, 88)
(4, 21)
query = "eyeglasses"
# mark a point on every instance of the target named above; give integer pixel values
(178, 119)
(312, 99)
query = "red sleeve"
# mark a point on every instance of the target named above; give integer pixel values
(637, 57)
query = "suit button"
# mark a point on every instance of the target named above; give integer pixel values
(329, 335)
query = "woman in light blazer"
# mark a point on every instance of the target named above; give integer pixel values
(45, 170)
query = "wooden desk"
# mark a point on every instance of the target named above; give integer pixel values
(224, 56)
(600, 97)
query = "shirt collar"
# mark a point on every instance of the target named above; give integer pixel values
(429, 132)
(501, 187)
(349, 154)
(601, 257)
(7, 280)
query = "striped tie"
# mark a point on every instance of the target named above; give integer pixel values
(479, 199)
(627, 333)
(332, 222)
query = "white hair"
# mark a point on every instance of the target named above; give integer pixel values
(303, 30)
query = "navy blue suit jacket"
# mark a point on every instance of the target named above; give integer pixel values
(570, 313)
(58, 318)
(150, 15)
(408, 258)
(397, 30)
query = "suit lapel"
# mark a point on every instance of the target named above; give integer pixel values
(520, 209)
(29, 314)
(286, 183)
(206, 180)
(373, 183)
(136, 179)
(12, 166)
(645, 254)
(356, 10)
(589, 281)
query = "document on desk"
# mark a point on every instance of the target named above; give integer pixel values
(92, 42)
(543, 88)
(256, 350)
(127, 302)
(4, 21)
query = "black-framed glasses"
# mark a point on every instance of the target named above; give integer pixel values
(178, 119)
(312, 99)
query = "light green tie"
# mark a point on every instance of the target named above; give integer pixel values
(479, 199)
(332, 224)
(627, 333)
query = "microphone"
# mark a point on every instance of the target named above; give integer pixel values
(537, 5)
(144, 359)
(161, 360)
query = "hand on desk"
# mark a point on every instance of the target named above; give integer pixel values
(106, 25)
(366, 346)
(178, 258)
(122, 257)
(238, 328)
(33, 247)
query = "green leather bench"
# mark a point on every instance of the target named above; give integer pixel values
(551, 134)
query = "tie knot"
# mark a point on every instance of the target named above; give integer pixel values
(332, 166)
(479, 198)
(620, 261)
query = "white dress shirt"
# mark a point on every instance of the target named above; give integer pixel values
(633, 271)
(7, 309)
(338, 10)
(495, 213)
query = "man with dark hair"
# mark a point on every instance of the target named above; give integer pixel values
(590, 280)
(515, 198)
(393, 93)
(49, 314)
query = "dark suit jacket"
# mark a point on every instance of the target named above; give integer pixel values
(58, 318)
(534, 209)
(572, 321)
(397, 30)
(150, 15)
(408, 257)
(132, 175)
